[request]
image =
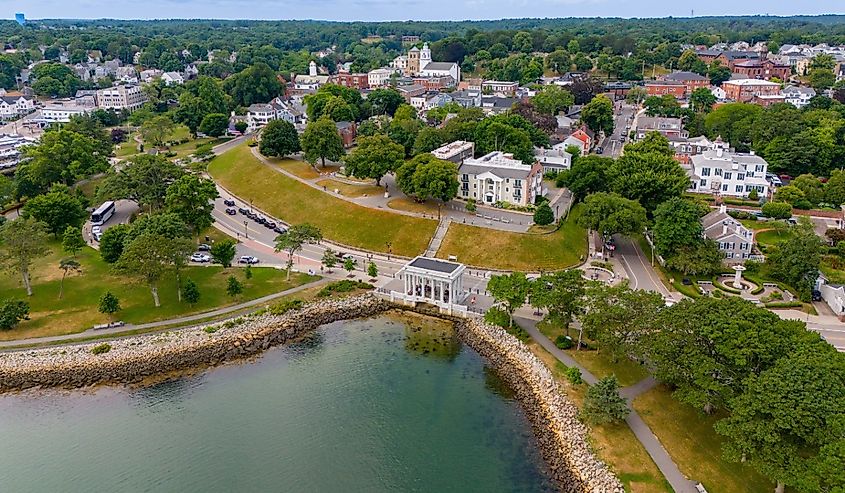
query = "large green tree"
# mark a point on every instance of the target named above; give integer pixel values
(279, 139)
(598, 114)
(22, 241)
(255, 84)
(677, 224)
(427, 177)
(553, 99)
(796, 260)
(649, 178)
(510, 290)
(610, 213)
(214, 124)
(58, 209)
(60, 157)
(603, 404)
(143, 179)
(321, 141)
(192, 199)
(374, 157)
(589, 174)
(294, 238)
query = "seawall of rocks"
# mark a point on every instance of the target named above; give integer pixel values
(133, 359)
(562, 437)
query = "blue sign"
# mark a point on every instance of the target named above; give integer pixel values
(20, 18)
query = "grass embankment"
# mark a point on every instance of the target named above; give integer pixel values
(77, 310)
(409, 205)
(613, 443)
(505, 250)
(293, 202)
(689, 438)
(350, 190)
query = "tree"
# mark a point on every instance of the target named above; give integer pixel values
(588, 174)
(148, 257)
(561, 293)
(199, 98)
(706, 348)
(374, 157)
(241, 126)
(718, 73)
(112, 242)
(155, 130)
(653, 142)
(702, 100)
(497, 136)
(689, 62)
(12, 312)
(790, 194)
(610, 214)
(109, 304)
(834, 189)
(214, 124)
(777, 210)
(603, 404)
(279, 139)
(404, 131)
(329, 259)
(22, 241)
(544, 215)
(796, 260)
(58, 209)
(811, 186)
(349, 266)
(190, 292)
(636, 95)
(143, 179)
(372, 270)
(321, 141)
(191, 198)
(233, 286)
(552, 100)
(598, 114)
(787, 415)
(425, 177)
(677, 224)
(702, 258)
(665, 105)
(510, 290)
(223, 252)
(72, 241)
(649, 178)
(61, 156)
(617, 317)
(293, 239)
(384, 101)
(255, 84)
(67, 265)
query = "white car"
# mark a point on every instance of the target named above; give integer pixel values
(96, 230)
(248, 259)
(200, 257)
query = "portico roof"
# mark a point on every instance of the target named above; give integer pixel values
(434, 264)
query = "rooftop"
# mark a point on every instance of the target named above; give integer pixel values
(434, 264)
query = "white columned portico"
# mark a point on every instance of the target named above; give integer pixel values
(434, 281)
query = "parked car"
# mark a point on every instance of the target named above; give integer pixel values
(231, 211)
(599, 150)
(345, 256)
(203, 247)
(270, 225)
(200, 257)
(243, 210)
(96, 230)
(279, 229)
(97, 236)
(229, 202)
(251, 215)
(247, 259)
(260, 219)
(817, 295)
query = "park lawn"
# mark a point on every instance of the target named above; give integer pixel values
(188, 148)
(772, 237)
(600, 364)
(474, 245)
(756, 225)
(689, 438)
(615, 444)
(349, 190)
(302, 169)
(409, 205)
(128, 147)
(296, 203)
(89, 188)
(77, 310)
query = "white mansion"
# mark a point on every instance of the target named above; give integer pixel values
(498, 177)
(722, 172)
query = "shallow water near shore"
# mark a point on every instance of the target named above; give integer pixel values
(385, 404)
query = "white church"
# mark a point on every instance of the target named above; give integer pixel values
(418, 63)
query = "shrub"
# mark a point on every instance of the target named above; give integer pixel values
(471, 205)
(777, 210)
(574, 375)
(497, 316)
(101, 348)
(343, 286)
(544, 215)
(285, 306)
(784, 304)
(563, 342)
(752, 195)
(210, 329)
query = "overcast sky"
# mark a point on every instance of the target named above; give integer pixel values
(345, 10)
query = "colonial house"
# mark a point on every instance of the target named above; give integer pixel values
(553, 160)
(430, 100)
(833, 295)
(686, 147)
(15, 106)
(128, 97)
(259, 115)
(663, 87)
(419, 62)
(735, 240)
(582, 139)
(310, 82)
(455, 152)
(722, 172)
(668, 127)
(379, 77)
(499, 88)
(355, 81)
(498, 177)
(467, 98)
(172, 78)
(493, 105)
(150, 75)
(798, 96)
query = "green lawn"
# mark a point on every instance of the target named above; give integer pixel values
(689, 438)
(347, 223)
(130, 147)
(772, 237)
(475, 245)
(77, 310)
(599, 364)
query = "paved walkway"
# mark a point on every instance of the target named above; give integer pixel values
(116, 331)
(641, 430)
(439, 234)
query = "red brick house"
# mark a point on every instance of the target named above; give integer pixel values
(348, 132)
(663, 87)
(690, 80)
(763, 69)
(356, 81)
(745, 90)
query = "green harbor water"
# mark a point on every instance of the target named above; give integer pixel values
(386, 404)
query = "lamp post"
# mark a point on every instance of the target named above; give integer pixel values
(246, 229)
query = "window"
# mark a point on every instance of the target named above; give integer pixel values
(717, 171)
(748, 188)
(465, 177)
(517, 183)
(758, 168)
(705, 171)
(729, 255)
(740, 176)
(739, 189)
(732, 246)
(703, 182)
(724, 188)
(728, 175)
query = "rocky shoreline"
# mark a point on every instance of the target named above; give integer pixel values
(562, 438)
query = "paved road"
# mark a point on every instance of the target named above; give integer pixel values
(638, 266)
(641, 430)
(614, 143)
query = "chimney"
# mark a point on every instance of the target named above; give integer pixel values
(723, 208)
(751, 152)
(719, 152)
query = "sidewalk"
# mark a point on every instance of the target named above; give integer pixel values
(641, 430)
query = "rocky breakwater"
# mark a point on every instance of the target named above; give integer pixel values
(562, 437)
(133, 359)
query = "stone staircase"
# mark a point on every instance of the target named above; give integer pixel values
(439, 234)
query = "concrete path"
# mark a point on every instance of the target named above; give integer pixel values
(439, 234)
(641, 430)
(116, 331)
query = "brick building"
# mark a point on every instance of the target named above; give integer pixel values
(663, 87)
(690, 80)
(745, 90)
(356, 81)
(763, 69)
